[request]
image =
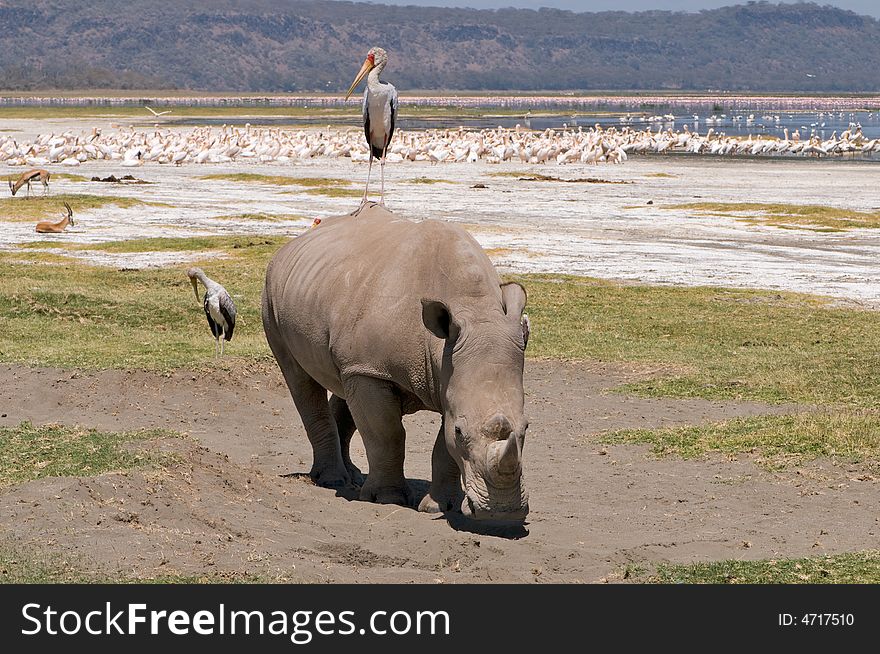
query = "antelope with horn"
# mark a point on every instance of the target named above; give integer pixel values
(48, 227)
(27, 177)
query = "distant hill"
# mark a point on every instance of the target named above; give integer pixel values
(308, 45)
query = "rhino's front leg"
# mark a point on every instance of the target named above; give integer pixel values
(376, 409)
(445, 493)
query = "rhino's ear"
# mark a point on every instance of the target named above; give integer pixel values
(513, 296)
(438, 319)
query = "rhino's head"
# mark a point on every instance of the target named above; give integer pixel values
(482, 394)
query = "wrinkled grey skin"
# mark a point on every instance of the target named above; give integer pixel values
(394, 317)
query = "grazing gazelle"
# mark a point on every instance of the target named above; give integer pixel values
(48, 227)
(27, 177)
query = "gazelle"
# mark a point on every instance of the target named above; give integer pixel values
(48, 227)
(27, 177)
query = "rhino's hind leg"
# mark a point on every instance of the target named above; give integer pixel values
(376, 409)
(445, 493)
(346, 428)
(310, 398)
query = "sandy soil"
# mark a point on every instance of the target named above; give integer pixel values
(238, 499)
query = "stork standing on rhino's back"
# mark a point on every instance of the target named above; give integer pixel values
(219, 308)
(380, 112)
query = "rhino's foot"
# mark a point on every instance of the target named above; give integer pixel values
(441, 502)
(330, 476)
(386, 495)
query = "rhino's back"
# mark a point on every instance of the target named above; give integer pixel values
(346, 296)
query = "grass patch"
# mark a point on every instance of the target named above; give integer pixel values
(38, 207)
(32, 565)
(497, 252)
(720, 343)
(335, 192)
(851, 568)
(82, 316)
(661, 175)
(511, 173)
(177, 112)
(70, 177)
(788, 215)
(727, 343)
(276, 180)
(778, 441)
(187, 244)
(428, 180)
(28, 452)
(271, 217)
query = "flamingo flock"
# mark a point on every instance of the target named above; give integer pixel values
(595, 145)
(567, 101)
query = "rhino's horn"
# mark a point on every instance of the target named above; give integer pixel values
(505, 455)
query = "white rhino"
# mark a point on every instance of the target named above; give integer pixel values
(394, 317)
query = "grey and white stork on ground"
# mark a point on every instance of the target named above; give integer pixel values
(380, 112)
(219, 307)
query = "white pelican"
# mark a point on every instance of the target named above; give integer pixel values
(380, 112)
(157, 113)
(219, 307)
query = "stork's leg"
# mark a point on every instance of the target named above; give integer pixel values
(216, 347)
(382, 175)
(221, 339)
(367, 188)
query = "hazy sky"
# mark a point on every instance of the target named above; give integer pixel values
(868, 7)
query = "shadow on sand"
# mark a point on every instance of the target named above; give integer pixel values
(418, 489)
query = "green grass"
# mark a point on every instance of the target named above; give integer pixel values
(852, 568)
(82, 316)
(326, 186)
(271, 217)
(42, 113)
(428, 180)
(712, 343)
(814, 217)
(33, 564)
(70, 177)
(335, 192)
(778, 441)
(276, 180)
(718, 343)
(28, 452)
(173, 244)
(38, 207)
(511, 173)
(662, 175)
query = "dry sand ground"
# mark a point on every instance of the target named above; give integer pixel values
(238, 500)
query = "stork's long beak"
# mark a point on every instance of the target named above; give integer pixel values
(366, 68)
(195, 284)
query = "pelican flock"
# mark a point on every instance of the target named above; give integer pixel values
(226, 144)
